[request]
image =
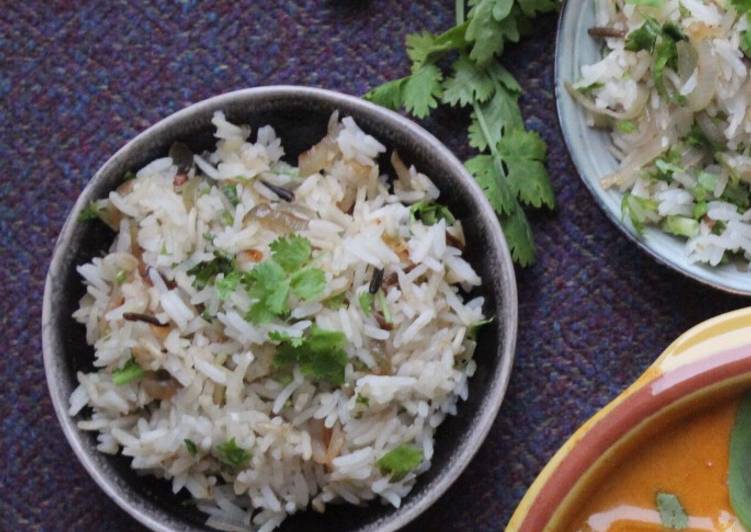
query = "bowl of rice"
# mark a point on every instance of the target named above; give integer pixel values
(281, 307)
(654, 101)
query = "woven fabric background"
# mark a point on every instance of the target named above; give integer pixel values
(79, 78)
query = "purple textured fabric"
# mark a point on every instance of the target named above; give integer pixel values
(80, 78)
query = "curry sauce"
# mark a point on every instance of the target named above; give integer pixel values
(688, 458)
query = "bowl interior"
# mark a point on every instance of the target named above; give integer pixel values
(589, 149)
(299, 117)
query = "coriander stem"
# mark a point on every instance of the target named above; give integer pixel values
(484, 128)
(459, 9)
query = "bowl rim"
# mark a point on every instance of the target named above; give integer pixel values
(676, 377)
(508, 303)
(573, 152)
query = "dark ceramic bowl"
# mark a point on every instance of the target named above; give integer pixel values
(299, 115)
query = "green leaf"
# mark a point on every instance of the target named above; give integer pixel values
(741, 6)
(130, 372)
(291, 252)
(637, 210)
(644, 37)
(121, 276)
(388, 95)
(231, 454)
(268, 283)
(523, 153)
(227, 285)
(519, 237)
(308, 283)
(205, 272)
(485, 170)
(739, 467)
(230, 191)
(383, 306)
(468, 83)
(335, 302)
(472, 83)
(746, 43)
(626, 126)
(491, 24)
(421, 90)
(430, 213)
(501, 114)
(423, 46)
(279, 336)
(399, 461)
(680, 226)
(321, 355)
(672, 514)
(366, 302)
(191, 446)
(90, 212)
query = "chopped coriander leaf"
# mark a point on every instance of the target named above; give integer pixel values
(707, 181)
(362, 400)
(384, 307)
(230, 191)
(291, 252)
(129, 175)
(626, 126)
(746, 43)
(699, 210)
(672, 513)
(366, 302)
(666, 169)
(321, 355)
(738, 194)
(121, 276)
(230, 454)
(228, 218)
(280, 336)
(430, 213)
(90, 212)
(226, 285)
(336, 301)
(308, 284)
(268, 283)
(680, 226)
(130, 372)
(644, 37)
(638, 210)
(205, 272)
(191, 446)
(207, 315)
(399, 461)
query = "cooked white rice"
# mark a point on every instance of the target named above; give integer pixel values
(683, 137)
(310, 442)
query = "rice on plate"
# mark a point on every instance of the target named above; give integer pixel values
(674, 90)
(272, 338)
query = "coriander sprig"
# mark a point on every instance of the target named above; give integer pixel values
(510, 168)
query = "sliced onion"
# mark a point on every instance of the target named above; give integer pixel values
(402, 172)
(706, 82)
(277, 219)
(642, 95)
(626, 175)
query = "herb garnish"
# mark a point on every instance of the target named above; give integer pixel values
(512, 173)
(430, 213)
(672, 514)
(739, 475)
(206, 271)
(320, 354)
(90, 212)
(130, 372)
(230, 454)
(191, 446)
(366, 302)
(399, 461)
(287, 271)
